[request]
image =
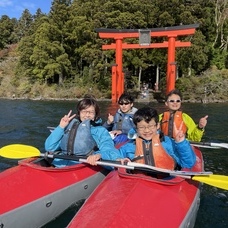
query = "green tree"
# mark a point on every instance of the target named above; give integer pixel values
(6, 30)
(194, 58)
(23, 26)
(49, 57)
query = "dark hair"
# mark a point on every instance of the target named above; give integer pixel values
(174, 91)
(126, 97)
(146, 114)
(87, 102)
(89, 96)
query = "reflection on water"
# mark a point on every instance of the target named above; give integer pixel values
(26, 122)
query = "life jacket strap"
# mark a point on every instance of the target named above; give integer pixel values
(72, 134)
(148, 154)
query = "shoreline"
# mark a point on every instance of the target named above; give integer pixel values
(140, 100)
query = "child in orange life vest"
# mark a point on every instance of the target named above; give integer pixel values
(150, 146)
(193, 131)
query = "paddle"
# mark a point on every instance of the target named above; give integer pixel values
(219, 181)
(209, 145)
(18, 151)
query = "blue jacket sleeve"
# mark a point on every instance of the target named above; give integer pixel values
(52, 143)
(105, 143)
(128, 150)
(182, 152)
(186, 154)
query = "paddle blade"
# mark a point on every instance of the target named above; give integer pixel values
(19, 151)
(218, 181)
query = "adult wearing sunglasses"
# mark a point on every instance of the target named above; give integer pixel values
(120, 124)
(182, 120)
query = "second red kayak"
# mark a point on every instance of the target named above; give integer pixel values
(135, 200)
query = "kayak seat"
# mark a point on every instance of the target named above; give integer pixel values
(43, 162)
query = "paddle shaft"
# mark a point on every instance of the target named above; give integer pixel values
(115, 164)
(65, 157)
(147, 168)
(210, 145)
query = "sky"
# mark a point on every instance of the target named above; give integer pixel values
(14, 8)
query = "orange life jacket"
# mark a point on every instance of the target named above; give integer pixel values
(153, 153)
(168, 120)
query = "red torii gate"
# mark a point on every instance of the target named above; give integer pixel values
(144, 34)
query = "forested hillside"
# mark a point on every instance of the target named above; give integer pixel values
(60, 55)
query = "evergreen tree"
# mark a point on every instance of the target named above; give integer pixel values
(23, 26)
(6, 30)
(49, 57)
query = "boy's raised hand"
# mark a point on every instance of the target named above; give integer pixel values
(179, 135)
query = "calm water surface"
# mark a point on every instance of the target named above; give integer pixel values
(25, 122)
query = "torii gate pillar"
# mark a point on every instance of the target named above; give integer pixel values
(119, 68)
(171, 65)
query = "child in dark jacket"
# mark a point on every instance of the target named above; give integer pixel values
(122, 122)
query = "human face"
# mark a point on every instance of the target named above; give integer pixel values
(125, 106)
(147, 130)
(173, 102)
(87, 113)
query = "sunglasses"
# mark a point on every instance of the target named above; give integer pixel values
(124, 103)
(172, 101)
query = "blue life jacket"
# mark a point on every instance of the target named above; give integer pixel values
(124, 121)
(77, 138)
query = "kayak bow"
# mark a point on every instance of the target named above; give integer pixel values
(33, 193)
(125, 199)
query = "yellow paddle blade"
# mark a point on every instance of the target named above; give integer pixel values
(218, 181)
(19, 151)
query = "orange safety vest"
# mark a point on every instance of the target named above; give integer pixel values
(153, 153)
(168, 120)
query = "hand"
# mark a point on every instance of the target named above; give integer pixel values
(179, 135)
(203, 122)
(66, 119)
(110, 118)
(116, 132)
(93, 158)
(124, 161)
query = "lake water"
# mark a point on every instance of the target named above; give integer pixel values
(26, 122)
